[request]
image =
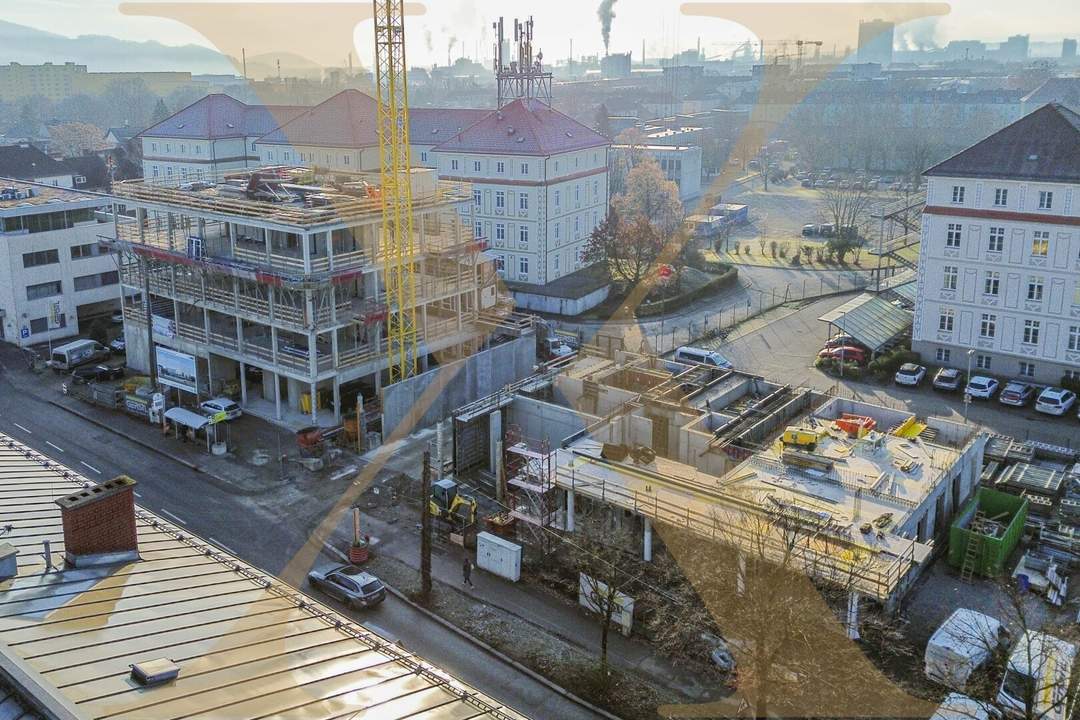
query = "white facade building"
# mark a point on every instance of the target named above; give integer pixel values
(540, 187)
(55, 276)
(680, 163)
(999, 266)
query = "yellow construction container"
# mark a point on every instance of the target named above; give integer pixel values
(801, 436)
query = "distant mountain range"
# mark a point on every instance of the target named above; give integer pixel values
(102, 53)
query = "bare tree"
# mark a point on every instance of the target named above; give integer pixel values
(650, 195)
(627, 251)
(847, 209)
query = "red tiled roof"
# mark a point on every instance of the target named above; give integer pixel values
(430, 126)
(524, 127)
(221, 116)
(347, 119)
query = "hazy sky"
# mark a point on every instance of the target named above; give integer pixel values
(659, 22)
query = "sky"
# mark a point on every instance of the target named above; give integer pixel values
(465, 25)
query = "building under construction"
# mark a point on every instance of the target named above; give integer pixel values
(716, 452)
(274, 281)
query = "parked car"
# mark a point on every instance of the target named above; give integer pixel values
(354, 586)
(118, 346)
(96, 373)
(844, 353)
(699, 356)
(810, 230)
(910, 374)
(117, 317)
(221, 405)
(1055, 401)
(843, 340)
(947, 380)
(1016, 393)
(981, 387)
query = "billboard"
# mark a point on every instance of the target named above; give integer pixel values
(177, 369)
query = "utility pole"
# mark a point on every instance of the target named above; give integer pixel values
(151, 355)
(425, 529)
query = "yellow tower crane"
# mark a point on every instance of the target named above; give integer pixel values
(396, 191)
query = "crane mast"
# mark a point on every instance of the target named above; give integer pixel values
(396, 191)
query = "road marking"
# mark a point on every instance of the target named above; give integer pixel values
(223, 546)
(86, 464)
(335, 552)
(22, 428)
(174, 517)
(54, 446)
(136, 494)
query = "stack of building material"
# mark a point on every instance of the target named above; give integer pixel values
(1032, 479)
(1007, 450)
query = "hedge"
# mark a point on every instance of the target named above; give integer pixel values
(667, 305)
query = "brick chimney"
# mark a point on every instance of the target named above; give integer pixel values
(99, 524)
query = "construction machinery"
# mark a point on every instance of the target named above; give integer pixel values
(799, 436)
(396, 187)
(447, 503)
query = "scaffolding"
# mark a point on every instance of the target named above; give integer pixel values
(533, 497)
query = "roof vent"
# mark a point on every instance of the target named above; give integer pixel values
(180, 125)
(434, 131)
(498, 115)
(569, 134)
(229, 125)
(1033, 157)
(521, 139)
(154, 672)
(510, 130)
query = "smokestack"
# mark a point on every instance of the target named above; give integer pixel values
(606, 15)
(99, 524)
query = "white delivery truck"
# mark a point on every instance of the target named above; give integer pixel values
(963, 643)
(1038, 672)
(74, 354)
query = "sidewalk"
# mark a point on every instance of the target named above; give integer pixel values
(569, 622)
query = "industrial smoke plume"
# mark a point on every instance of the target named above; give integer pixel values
(606, 16)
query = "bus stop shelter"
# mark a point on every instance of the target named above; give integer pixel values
(874, 322)
(191, 424)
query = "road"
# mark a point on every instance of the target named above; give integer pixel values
(260, 534)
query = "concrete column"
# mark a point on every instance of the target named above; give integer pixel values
(646, 553)
(243, 384)
(314, 404)
(852, 621)
(569, 511)
(277, 396)
(337, 399)
(305, 250)
(423, 362)
(494, 439)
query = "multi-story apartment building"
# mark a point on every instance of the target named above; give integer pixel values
(55, 275)
(57, 82)
(680, 163)
(999, 265)
(215, 134)
(275, 280)
(540, 186)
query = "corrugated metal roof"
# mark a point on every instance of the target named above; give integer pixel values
(247, 645)
(870, 320)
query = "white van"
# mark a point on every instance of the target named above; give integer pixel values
(1040, 667)
(697, 356)
(81, 352)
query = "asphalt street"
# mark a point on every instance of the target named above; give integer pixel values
(259, 534)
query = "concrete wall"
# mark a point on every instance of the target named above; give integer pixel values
(454, 385)
(560, 305)
(545, 422)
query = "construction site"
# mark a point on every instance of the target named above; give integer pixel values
(715, 452)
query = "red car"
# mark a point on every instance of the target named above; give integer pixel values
(841, 341)
(845, 353)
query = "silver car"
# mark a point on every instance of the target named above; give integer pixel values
(354, 586)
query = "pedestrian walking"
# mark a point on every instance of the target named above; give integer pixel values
(466, 572)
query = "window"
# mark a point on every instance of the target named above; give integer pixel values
(41, 257)
(1040, 243)
(958, 193)
(252, 147)
(997, 239)
(153, 147)
(557, 197)
(478, 230)
(945, 320)
(952, 235)
(992, 283)
(1046, 199)
(950, 275)
(423, 156)
(523, 236)
(500, 167)
(43, 290)
(1027, 369)
(577, 228)
(287, 156)
(1073, 375)
(558, 232)
(198, 149)
(476, 198)
(89, 282)
(89, 250)
(155, 171)
(39, 325)
(168, 147)
(168, 172)
(555, 263)
(523, 202)
(577, 195)
(454, 164)
(1074, 337)
(596, 190)
(500, 200)
(500, 233)
(988, 326)
(982, 362)
(476, 166)
(1001, 197)
(1035, 289)
(943, 355)
(183, 149)
(523, 265)
(500, 263)
(524, 168)
(346, 159)
(1031, 332)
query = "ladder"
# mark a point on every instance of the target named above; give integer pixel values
(974, 547)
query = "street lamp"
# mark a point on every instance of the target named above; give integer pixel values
(967, 379)
(843, 331)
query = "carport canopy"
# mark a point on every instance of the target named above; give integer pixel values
(874, 322)
(183, 416)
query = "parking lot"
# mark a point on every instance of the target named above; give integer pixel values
(784, 349)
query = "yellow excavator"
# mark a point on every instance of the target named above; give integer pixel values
(446, 503)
